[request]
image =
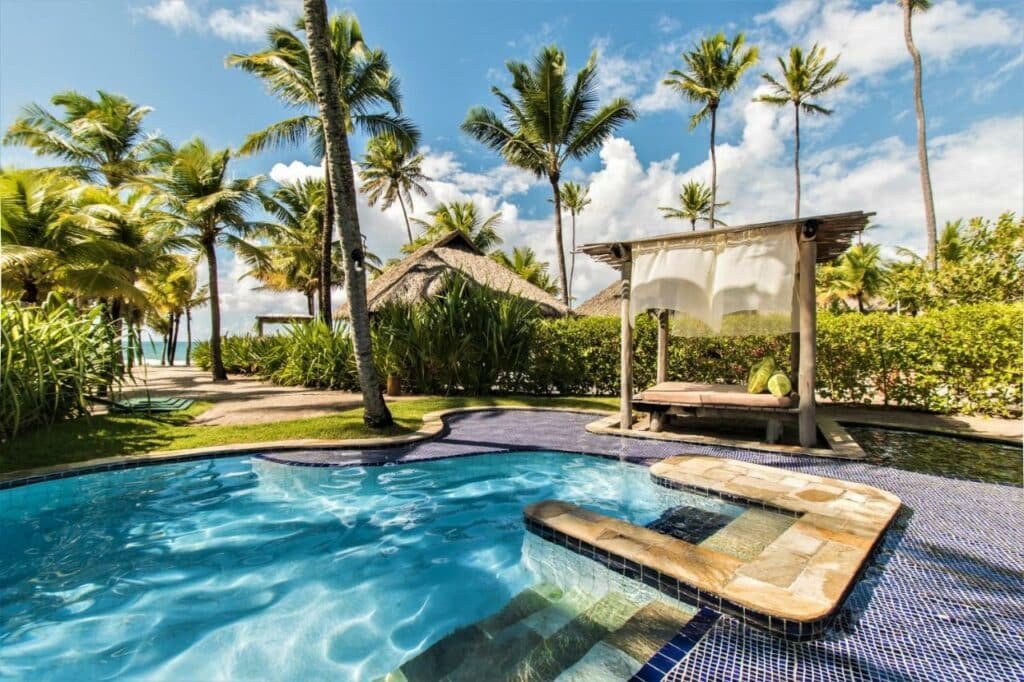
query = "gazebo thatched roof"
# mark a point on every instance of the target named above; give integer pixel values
(419, 276)
(605, 303)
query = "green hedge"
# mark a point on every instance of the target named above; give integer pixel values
(964, 359)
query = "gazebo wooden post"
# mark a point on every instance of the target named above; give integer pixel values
(657, 418)
(626, 380)
(808, 332)
(259, 327)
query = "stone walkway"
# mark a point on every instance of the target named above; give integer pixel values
(242, 399)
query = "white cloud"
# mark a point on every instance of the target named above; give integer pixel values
(177, 14)
(871, 38)
(247, 22)
(295, 171)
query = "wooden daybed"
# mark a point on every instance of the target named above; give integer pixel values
(697, 399)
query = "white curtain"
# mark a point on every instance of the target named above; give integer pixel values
(720, 284)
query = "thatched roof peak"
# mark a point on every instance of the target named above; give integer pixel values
(605, 303)
(419, 276)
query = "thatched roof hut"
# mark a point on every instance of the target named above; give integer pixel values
(419, 276)
(605, 303)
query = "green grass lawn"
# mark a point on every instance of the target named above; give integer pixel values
(111, 435)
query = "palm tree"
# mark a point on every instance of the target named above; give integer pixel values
(951, 245)
(343, 193)
(714, 67)
(212, 208)
(391, 172)
(860, 273)
(458, 215)
(524, 263)
(548, 122)
(575, 198)
(804, 80)
(170, 287)
(368, 99)
(909, 8)
(292, 260)
(97, 139)
(694, 204)
(45, 246)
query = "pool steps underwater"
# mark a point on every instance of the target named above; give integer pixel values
(545, 633)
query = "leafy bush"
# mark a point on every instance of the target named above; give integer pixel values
(465, 338)
(54, 356)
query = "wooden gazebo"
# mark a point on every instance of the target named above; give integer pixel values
(818, 239)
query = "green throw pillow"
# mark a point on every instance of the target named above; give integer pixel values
(779, 385)
(760, 373)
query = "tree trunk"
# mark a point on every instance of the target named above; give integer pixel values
(163, 353)
(408, 228)
(326, 244)
(310, 306)
(216, 360)
(714, 170)
(922, 141)
(188, 335)
(796, 157)
(560, 249)
(174, 337)
(693, 225)
(30, 292)
(343, 192)
(572, 254)
(169, 342)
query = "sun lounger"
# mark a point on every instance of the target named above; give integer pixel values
(144, 404)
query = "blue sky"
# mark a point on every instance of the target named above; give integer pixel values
(169, 54)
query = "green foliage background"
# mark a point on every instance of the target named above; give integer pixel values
(965, 359)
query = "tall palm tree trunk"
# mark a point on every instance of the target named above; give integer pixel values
(560, 257)
(326, 242)
(216, 359)
(343, 192)
(922, 141)
(796, 157)
(169, 339)
(408, 228)
(188, 336)
(714, 170)
(174, 340)
(693, 225)
(572, 253)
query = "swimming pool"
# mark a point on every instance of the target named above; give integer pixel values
(949, 456)
(242, 568)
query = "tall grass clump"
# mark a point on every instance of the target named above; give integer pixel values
(317, 356)
(467, 338)
(53, 357)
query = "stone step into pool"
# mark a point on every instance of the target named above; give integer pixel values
(546, 633)
(784, 565)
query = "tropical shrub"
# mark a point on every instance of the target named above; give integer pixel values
(53, 357)
(466, 338)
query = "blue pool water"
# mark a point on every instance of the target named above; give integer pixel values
(241, 568)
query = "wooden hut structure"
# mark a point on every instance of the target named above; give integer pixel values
(795, 247)
(421, 274)
(284, 318)
(604, 303)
